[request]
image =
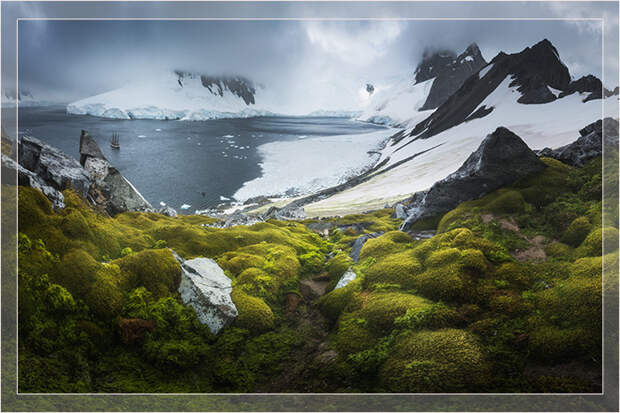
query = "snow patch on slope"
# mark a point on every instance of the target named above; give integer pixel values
(398, 104)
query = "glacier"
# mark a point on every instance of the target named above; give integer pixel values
(168, 97)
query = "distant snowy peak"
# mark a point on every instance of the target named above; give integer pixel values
(449, 72)
(217, 85)
(176, 94)
(537, 74)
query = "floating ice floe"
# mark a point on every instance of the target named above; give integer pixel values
(162, 203)
(141, 136)
(223, 198)
(185, 206)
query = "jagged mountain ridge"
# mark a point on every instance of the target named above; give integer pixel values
(534, 72)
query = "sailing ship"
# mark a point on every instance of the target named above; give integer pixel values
(115, 143)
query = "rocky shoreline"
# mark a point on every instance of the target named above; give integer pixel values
(50, 170)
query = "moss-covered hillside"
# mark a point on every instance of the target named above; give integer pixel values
(505, 298)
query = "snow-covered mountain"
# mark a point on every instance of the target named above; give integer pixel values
(405, 101)
(176, 95)
(530, 92)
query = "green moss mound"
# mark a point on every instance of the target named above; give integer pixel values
(254, 314)
(156, 270)
(333, 303)
(442, 283)
(258, 283)
(381, 309)
(593, 244)
(338, 265)
(354, 335)
(577, 231)
(436, 361)
(236, 262)
(400, 269)
(387, 243)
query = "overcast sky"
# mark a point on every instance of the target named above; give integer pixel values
(68, 60)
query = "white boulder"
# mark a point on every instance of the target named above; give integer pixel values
(207, 289)
(346, 278)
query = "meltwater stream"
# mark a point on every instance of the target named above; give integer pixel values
(199, 164)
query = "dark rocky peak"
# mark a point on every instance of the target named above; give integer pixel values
(449, 71)
(501, 159)
(470, 55)
(535, 69)
(434, 62)
(238, 85)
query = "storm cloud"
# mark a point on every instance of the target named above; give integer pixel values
(297, 59)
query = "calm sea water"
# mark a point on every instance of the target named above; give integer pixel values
(180, 162)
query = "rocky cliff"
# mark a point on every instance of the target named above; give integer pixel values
(501, 159)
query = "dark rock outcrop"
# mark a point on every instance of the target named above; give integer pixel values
(449, 71)
(51, 171)
(109, 188)
(588, 146)
(52, 166)
(356, 249)
(500, 160)
(587, 84)
(13, 173)
(89, 148)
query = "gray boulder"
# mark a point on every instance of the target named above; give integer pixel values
(12, 172)
(235, 219)
(346, 278)
(500, 160)
(52, 166)
(400, 212)
(168, 211)
(89, 148)
(356, 249)
(286, 213)
(206, 288)
(588, 146)
(123, 196)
